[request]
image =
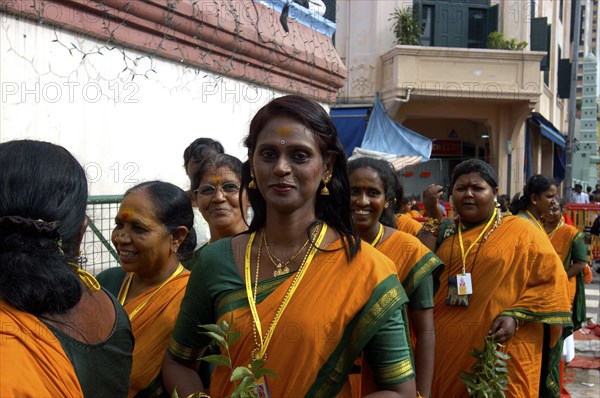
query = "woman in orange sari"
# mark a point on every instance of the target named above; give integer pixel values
(61, 335)
(503, 281)
(305, 295)
(404, 220)
(569, 245)
(372, 192)
(153, 232)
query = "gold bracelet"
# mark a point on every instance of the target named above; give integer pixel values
(432, 226)
(519, 322)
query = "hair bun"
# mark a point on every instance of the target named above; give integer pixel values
(28, 225)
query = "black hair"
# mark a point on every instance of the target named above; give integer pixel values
(334, 208)
(173, 209)
(502, 200)
(385, 171)
(536, 184)
(216, 162)
(42, 213)
(399, 199)
(478, 166)
(197, 148)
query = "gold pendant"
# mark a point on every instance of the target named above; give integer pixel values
(281, 270)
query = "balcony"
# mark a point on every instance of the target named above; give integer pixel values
(461, 74)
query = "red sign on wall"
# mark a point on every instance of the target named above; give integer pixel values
(446, 148)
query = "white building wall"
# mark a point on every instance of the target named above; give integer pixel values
(123, 131)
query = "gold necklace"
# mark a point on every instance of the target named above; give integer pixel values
(261, 345)
(281, 266)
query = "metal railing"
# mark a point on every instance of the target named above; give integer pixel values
(96, 247)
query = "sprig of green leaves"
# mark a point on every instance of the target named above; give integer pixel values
(244, 377)
(488, 377)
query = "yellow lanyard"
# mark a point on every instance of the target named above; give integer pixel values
(378, 237)
(540, 226)
(127, 283)
(462, 247)
(264, 343)
(88, 279)
(551, 234)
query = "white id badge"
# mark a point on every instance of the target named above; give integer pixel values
(463, 284)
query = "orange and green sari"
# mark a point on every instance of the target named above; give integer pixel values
(405, 223)
(515, 272)
(415, 263)
(569, 245)
(152, 324)
(32, 360)
(339, 310)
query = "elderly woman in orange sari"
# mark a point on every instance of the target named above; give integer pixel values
(153, 232)
(503, 281)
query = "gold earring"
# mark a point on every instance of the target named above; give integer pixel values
(325, 190)
(252, 183)
(386, 205)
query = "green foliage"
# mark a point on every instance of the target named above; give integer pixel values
(496, 40)
(406, 26)
(489, 375)
(244, 377)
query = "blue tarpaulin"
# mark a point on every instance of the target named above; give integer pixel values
(350, 124)
(385, 135)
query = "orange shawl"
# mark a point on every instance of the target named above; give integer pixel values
(414, 261)
(32, 361)
(405, 223)
(516, 273)
(310, 329)
(152, 327)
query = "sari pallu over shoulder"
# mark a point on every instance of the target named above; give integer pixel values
(414, 261)
(569, 244)
(516, 273)
(152, 325)
(334, 313)
(43, 367)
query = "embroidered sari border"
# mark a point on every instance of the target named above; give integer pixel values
(394, 373)
(387, 297)
(183, 353)
(551, 318)
(424, 267)
(238, 298)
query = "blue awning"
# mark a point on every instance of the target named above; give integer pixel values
(548, 130)
(350, 124)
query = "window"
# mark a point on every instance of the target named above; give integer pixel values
(477, 28)
(427, 20)
(451, 23)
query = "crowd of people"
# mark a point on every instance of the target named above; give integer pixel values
(315, 262)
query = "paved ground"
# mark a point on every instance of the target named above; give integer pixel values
(583, 383)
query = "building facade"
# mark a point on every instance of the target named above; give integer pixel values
(499, 105)
(128, 85)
